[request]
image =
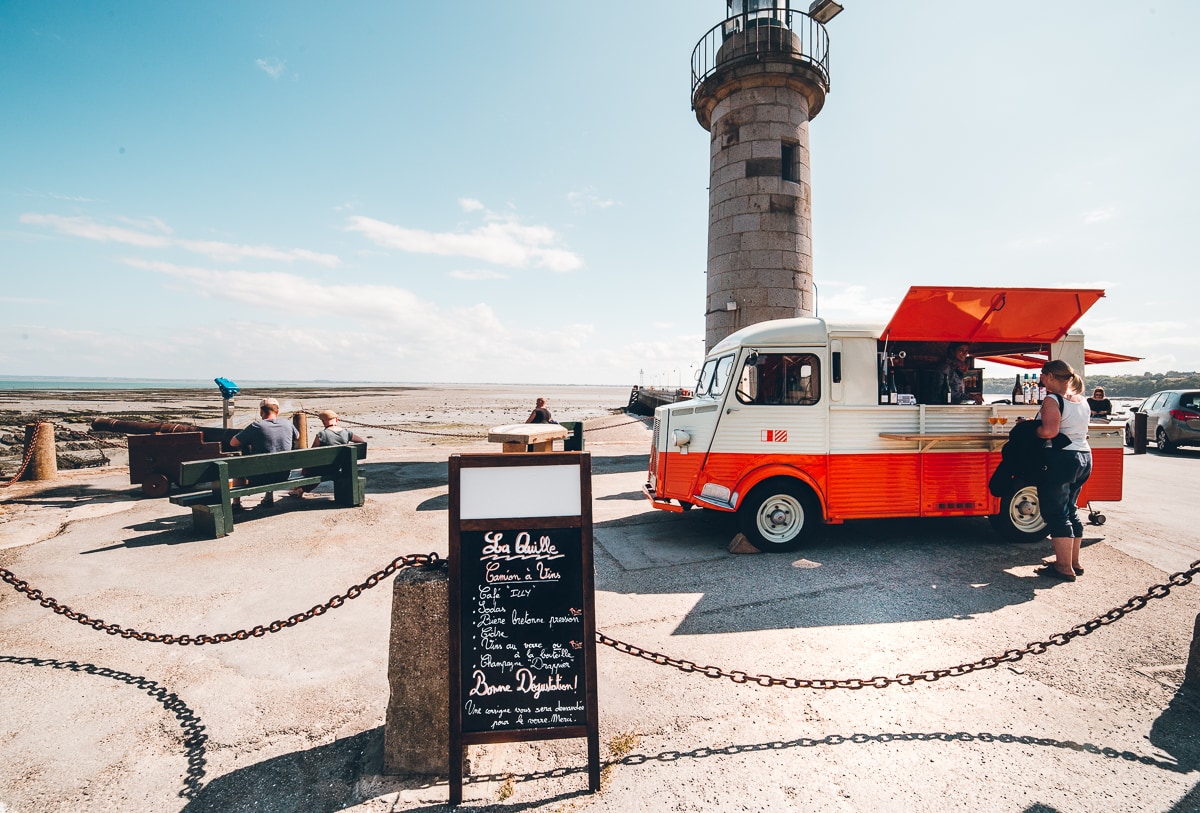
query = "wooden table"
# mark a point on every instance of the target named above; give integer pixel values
(928, 441)
(521, 437)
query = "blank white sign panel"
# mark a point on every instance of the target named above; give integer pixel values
(510, 492)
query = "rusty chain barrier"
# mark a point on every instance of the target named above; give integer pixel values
(432, 560)
(929, 675)
(37, 430)
(33, 594)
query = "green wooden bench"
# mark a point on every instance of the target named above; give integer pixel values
(212, 510)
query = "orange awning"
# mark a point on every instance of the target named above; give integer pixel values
(1030, 361)
(935, 314)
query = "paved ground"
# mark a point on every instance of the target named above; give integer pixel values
(293, 721)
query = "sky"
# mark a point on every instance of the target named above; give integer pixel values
(516, 192)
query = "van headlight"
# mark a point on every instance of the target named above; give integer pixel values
(681, 437)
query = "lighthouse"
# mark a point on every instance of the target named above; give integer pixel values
(758, 78)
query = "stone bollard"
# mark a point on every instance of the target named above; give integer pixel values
(43, 462)
(1191, 675)
(416, 732)
(300, 421)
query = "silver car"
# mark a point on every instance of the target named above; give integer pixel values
(1172, 419)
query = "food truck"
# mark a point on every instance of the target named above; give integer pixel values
(799, 422)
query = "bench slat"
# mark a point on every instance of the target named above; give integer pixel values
(193, 472)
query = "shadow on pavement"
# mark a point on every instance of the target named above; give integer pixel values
(398, 477)
(346, 772)
(193, 736)
(1175, 732)
(864, 572)
(319, 780)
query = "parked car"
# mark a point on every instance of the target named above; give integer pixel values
(1172, 419)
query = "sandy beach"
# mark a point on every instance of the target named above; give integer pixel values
(389, 417)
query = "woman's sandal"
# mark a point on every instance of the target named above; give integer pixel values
(1051, 570)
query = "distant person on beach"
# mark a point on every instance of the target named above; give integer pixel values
(268, 434)
(331, 435)
(540, 414)
(1101, 407)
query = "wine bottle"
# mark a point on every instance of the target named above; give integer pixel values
(893, 396)
(883, 390)
(1018, 393)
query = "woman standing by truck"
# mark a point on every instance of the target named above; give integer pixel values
(1064, 412)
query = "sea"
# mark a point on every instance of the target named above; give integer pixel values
(77, 384)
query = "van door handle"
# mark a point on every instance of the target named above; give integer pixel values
(731, 409)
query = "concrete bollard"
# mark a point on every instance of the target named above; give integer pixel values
(43, 462)
(416, 733)
(1191, 675)
(300, 421)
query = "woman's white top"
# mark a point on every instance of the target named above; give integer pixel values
(1075, 418)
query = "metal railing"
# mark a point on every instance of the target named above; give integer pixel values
(758, 33)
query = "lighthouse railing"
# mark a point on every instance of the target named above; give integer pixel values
(793, 33)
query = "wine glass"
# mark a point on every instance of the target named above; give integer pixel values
(993, 420)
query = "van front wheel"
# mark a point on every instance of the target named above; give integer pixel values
(779, 515)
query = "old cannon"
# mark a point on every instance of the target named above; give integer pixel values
(157, 448)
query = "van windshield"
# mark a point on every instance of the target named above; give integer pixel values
(714, 378)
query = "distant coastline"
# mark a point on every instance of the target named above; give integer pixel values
(73, 384)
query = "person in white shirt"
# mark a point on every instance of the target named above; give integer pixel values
(1065, 412)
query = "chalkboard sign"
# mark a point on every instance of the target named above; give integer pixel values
(522, 597)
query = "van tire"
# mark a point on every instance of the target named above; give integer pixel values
(779, 515)
(1020, 517)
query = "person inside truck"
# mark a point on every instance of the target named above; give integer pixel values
(955, 364)
(1101, 407)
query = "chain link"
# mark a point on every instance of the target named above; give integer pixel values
(929, 675)
(33, 594)
(37, 430)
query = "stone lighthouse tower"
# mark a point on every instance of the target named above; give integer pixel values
(758, 78)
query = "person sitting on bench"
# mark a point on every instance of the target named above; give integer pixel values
(331, 435)
(268, 434)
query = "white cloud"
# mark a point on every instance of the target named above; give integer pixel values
(502, 240)
(89, 229)
(382, 333)
(587, 197)
(841, 301)
(150, 223)
(470, 205)
(271, 66)
(477, 274)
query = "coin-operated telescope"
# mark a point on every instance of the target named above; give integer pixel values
(228, 390)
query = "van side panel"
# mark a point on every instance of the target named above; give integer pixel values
(892, 489)
(956, 483)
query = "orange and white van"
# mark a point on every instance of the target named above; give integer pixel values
(787, 429)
